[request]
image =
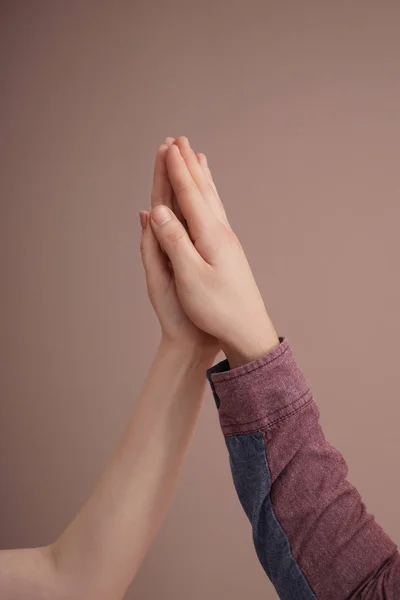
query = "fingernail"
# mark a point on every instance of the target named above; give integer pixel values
(169, 140)
(161, 215)
(143, 218)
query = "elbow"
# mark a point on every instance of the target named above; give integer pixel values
(63, 585)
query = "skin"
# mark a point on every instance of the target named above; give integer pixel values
(101, 550)
(176, 326)
(213, 280)
(205, 297)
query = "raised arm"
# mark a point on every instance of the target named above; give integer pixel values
(98, 554)
(311, 531)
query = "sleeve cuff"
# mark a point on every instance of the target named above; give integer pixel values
(258, 394)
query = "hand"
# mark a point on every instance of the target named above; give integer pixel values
(176, 326)
(213, 279)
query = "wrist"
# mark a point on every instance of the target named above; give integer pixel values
(188, 355)
(246, 348)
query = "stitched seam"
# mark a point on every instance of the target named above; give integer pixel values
(289, 414)
(274, 412)
(268, 425)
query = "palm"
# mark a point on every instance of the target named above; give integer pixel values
(174, 320)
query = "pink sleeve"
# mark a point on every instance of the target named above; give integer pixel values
(312, 532)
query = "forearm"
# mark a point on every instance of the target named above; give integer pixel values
(311, 530)
(102, 549)
(98, 554)
(28, 574)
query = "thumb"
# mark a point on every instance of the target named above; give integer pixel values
(174, 240)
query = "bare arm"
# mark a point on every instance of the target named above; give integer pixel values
(103, 547)
(98, 554)
(311, 530)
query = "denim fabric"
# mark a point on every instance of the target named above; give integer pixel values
(311, 530)
(220, 367)
(251, 477)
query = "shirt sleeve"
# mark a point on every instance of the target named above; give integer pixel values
(311, 530)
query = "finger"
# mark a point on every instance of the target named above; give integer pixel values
(161, 192)
(194, 207)
(155, 262)
(175, 206)
(215, 200)
(143, 215)
(201, 157)
(177, 210)
(202, 160)
(203, 180)
(175, 241)
(195, 169)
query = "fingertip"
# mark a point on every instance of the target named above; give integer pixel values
(161, 215)
(201, 157)
(182, 141)
(169, 140)
(144, 217)
(173, 150)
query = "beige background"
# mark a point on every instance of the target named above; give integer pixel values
(297, 105)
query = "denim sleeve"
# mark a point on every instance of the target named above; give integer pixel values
(311, 530)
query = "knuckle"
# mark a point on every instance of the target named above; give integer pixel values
(185, 188)
(143, 248)
(175, 236)
(233, 239)
(211, 189)
(159, 198)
